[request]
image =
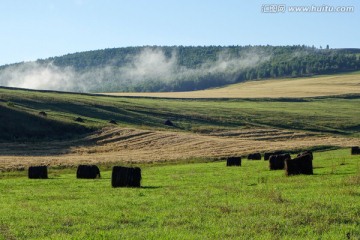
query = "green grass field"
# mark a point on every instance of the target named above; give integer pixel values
(188, 201)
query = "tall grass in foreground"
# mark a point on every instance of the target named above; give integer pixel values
(189, 201)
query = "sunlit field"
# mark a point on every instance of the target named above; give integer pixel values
(279, 88)
(188, 201)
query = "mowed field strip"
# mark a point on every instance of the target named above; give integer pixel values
(128, 145)
(279, 88)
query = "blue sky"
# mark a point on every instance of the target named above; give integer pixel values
(33, 29)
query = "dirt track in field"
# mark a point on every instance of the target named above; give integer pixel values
(114, 145)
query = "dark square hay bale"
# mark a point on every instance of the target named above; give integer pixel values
(88, 172)
(355, 150)
(169, 123)
(126, 177)
(267, 155)
(277, 162)
(42, 113)
(291, 167)
(79, 119)
(254, 156)
(233, 161)
(38, 172)
(299, 165)
(305, 164)
(305, 153)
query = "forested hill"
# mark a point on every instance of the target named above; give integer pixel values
(175, 68)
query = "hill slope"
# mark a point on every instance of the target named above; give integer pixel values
(203, 127)
(330, 115)
(176, 68)
(324, 85)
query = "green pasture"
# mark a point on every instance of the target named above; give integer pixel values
(188, 201)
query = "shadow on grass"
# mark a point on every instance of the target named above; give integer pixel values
(19, 125)
(330, 173)
(150, 187)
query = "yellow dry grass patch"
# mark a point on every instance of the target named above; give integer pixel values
(290, 87)
(114, 145)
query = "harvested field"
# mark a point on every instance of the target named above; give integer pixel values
(129, 145)
(262, 134)
(289, 88)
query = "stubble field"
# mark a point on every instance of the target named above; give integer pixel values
(278, 88)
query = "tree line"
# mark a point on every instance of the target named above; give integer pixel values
(270, 62)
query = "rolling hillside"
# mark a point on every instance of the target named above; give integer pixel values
(327, 85)
(325, 114)
(203, 128)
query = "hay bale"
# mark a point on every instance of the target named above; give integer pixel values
(79, 119)
(169, 123)
(38, 172)
(233, 161)
(277, 162)
(112, 121)
(292, 167)
(257, 156)
(355, 150)
(43, 114)
(305, 153)
(299, 165)
(88, 172)
(254, 156)
(267, 155)
(305, 163)
(126, 177)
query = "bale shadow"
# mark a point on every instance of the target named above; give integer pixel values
(325, 174)
(151, 187)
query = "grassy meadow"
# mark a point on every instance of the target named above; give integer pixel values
(188, 201)
(333, 115)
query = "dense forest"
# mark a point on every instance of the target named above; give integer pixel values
(175, 68)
